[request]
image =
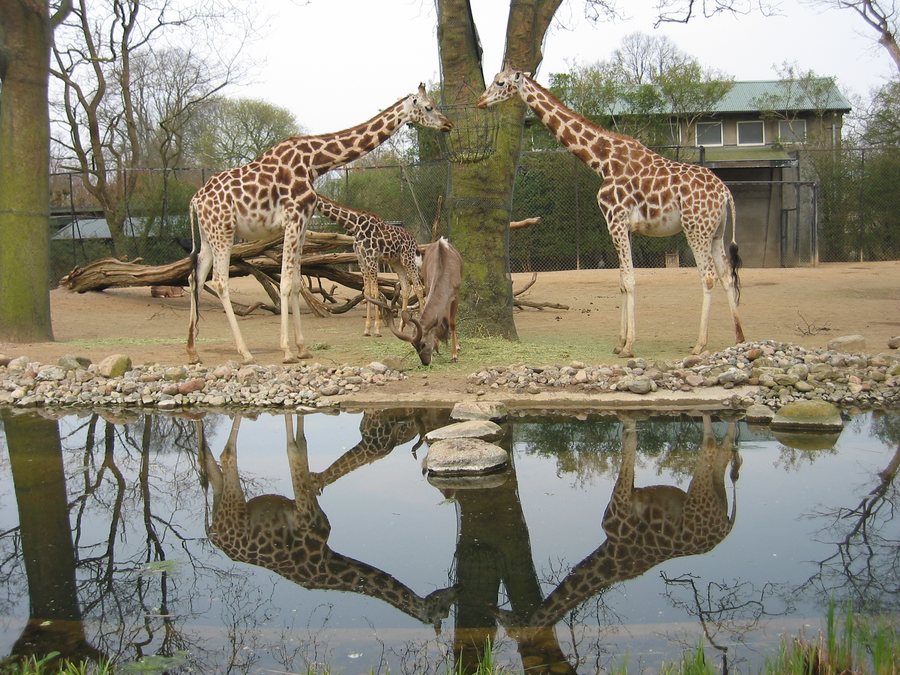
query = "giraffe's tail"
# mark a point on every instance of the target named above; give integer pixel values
(733, 257)
(195, 261)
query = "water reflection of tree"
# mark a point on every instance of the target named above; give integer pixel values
(864, 568)
(125, 575)
(592, 447)
(727, 611)
(55, 622)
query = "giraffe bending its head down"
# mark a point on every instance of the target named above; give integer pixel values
(274, 193)
(641, 192)
(376, 240)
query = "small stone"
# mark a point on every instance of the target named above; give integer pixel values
(72, 362)
(847, 343)
(894, 342)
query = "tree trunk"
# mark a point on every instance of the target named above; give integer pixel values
(25, 31)
(480, 197)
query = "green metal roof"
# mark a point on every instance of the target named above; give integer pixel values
(783, 95)
(773, 95)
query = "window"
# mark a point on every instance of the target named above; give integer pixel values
(709, 133)
(751, 133)
(792, 131)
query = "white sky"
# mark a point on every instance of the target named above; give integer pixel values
(336, 63)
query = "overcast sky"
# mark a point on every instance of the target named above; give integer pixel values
(336, 63)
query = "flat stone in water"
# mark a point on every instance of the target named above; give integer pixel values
(468, 429)
(464, 457)
(478, 410)
(808, 416)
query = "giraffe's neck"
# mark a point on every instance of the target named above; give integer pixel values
(330, 151)
(355, 222)
(588, 141)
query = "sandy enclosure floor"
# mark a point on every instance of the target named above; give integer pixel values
(806, 306)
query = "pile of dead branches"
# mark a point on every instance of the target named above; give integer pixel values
(325, 257)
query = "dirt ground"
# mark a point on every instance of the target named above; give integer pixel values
(806, 306)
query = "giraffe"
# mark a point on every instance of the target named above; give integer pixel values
(290, 536)
(272, 194)
(644, 527)
(374, 241)
(641, 192)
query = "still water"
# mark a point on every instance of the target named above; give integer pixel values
(274, 543)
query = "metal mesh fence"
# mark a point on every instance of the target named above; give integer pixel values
(843, 206)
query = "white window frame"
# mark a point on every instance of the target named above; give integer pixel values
(792, 124)
(758, 123)
(697, 134)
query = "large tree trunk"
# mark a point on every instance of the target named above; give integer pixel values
(481, 193)
(25, 30)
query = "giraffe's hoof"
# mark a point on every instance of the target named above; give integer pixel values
(617, 349)
(290, 358)
(305, 354)
(626, 353)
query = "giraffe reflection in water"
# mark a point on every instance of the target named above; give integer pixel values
(289, 536)
(644, 526)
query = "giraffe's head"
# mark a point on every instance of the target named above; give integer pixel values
(506, 84)
(421, 110)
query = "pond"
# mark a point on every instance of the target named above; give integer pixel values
(276, 543)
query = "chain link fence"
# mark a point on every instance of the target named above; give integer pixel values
(843, 207)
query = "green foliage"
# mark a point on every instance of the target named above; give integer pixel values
(229, 132)
(882, 121)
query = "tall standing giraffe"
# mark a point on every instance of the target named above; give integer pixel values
(374, 241)
(640, 192)
(274, 193)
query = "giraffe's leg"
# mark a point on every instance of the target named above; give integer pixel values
(196, 280)
(370, 290)
(706, 269)
(220, 286)
(625, 345)
(724, 272)
(400, 271)
(296, 218)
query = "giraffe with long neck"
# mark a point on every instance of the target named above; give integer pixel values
(274, 194)
(376, 241)
(641, 192)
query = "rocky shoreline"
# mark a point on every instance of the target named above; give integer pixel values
(777, 373)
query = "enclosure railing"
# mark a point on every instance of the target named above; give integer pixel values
(844, 207)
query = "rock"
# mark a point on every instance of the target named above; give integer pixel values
(640, 385)
(114, 365)
(894, 342)
(469, 429)
(19, 363)
(847, 343)
(464, 457)
(759, 414)
(72, 362)
(808, 416)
